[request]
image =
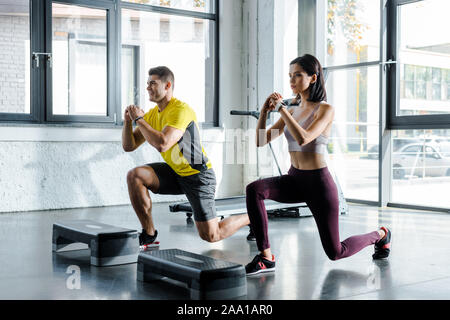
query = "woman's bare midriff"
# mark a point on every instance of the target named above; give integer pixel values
(307, 160)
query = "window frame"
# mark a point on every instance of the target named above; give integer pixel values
(213, 108)
(41, 101)
(111, 72)
(36, 10)
(394, 121)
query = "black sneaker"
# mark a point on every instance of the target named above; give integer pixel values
(260, 264)
(383, 246)
(147, 241)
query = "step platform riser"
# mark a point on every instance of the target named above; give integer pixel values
(206, 278)
(109, 245)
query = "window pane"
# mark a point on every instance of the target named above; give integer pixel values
(421, 178)
(194, 5)
(354, 141)
(286, 28)
(129, 84)
(353, 31)
(79, 60)
(180, 43)
(424, 55)
(15, 56)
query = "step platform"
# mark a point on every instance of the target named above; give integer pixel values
(110, 245)
(237, 205)
(206, 277)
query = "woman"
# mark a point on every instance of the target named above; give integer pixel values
(307, 128)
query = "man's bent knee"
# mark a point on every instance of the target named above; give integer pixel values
(138, 176)
(132, 176)
(209, 231)
(212, 236)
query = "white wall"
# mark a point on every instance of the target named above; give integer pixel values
(56, 168)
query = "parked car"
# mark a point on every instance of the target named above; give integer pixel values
(400, 142)
(419, 159)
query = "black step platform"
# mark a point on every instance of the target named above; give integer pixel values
(207, 278)
(109, 245)
(237, 205)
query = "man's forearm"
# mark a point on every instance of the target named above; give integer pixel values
(152, 136)
(128, 141)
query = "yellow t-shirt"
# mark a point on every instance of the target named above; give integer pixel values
(187, 156)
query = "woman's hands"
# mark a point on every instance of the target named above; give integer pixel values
(271, 102)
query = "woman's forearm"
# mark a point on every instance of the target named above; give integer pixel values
(261, 135)
(297, 132)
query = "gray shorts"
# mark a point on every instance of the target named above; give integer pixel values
(199, 189)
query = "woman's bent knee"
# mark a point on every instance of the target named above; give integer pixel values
(333, 255)
(253, 188)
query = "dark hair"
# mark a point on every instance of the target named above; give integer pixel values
(311, 66)
(164, 74)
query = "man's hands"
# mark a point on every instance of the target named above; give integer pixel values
(132, 112)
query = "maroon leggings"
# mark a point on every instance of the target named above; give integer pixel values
(317, 189)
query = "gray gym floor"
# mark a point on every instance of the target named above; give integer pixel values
(418, 268)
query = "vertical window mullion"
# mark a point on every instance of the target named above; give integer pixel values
(37, 76)
(112, 53)
(48, 89)
(384, 165)
(117, 35)
(216, 78)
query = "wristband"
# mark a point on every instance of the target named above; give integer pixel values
(137, 119)
(279, 105)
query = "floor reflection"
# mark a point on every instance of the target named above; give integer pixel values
(378, 277)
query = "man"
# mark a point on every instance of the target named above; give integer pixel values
(171, 128)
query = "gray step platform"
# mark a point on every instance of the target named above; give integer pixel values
(109, 245)
(207, 278)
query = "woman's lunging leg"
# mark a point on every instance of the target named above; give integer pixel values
(281, 189)
(325, 209)
(256, 192)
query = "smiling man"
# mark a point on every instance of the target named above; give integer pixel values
(171, 128)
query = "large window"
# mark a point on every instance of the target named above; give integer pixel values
(79, 37)
(419, 84)
(69, 61)
(418, 87)
(352, 65)
(181, 43)
(390, 60)
(15, 57)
